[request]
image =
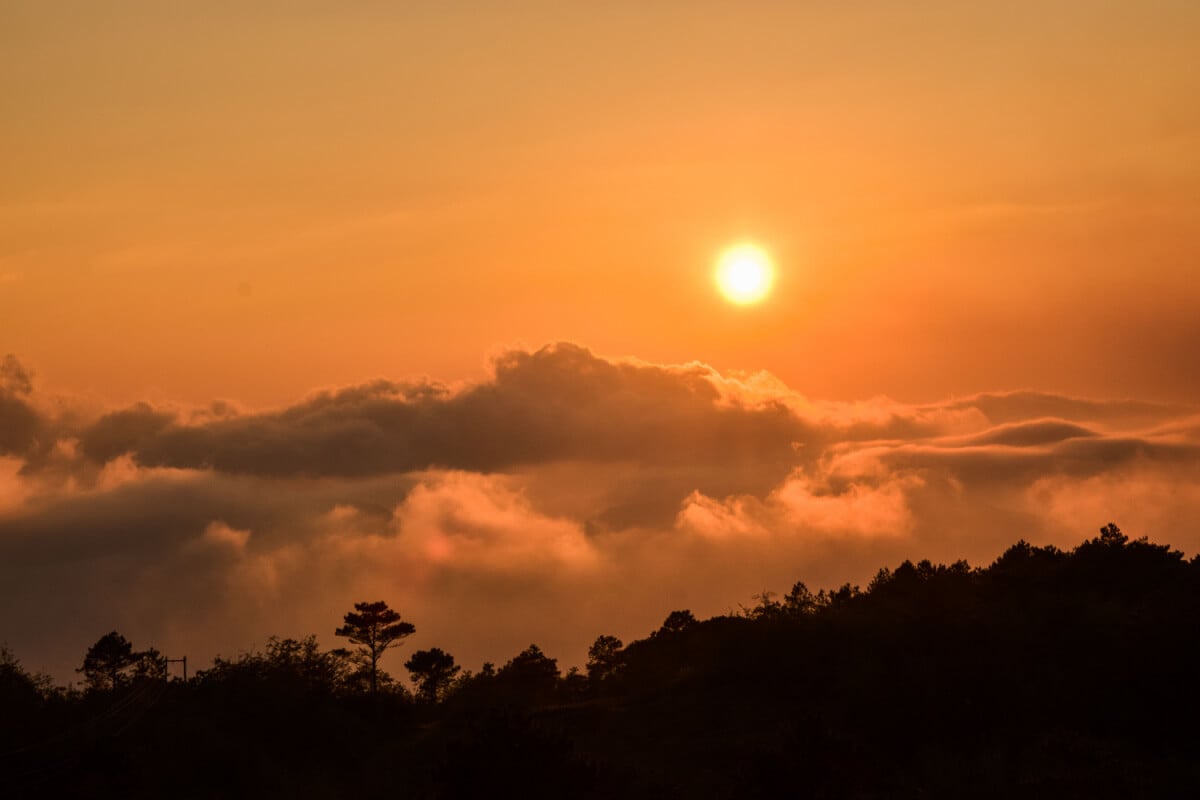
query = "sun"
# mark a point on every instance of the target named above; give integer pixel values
(745, 274)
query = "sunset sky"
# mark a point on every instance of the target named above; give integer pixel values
(312, 302)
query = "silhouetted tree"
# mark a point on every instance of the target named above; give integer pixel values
(677, 621)
(303, 657)
(799, 600)
(529, 676)
(1048, 673)
(603, 657)
(374, 628)
(767, 606)
(150, 664)
(574, 685)
(302, 661)
(1112, 536)
(14, 679)
(432, 670)
(112, 661)
(17, 685)
(837, 598)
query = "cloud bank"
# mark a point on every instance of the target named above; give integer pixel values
(568, 495)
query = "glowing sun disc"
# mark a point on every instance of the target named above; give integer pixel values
(745, 274)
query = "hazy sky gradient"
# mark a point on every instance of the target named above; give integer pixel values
(986, 222)
(207, 199)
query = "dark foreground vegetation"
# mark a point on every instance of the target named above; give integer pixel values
(1047, 674)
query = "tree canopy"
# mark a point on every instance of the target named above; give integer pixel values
(112, 662)
(1049, 672)
(374, 627)
(432, 670)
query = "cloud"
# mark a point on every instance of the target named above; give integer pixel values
(13, 491)
(14, 377)
(1036, 432)
(20, 423)
(220, 536)
(465, 520)
(565, 496)
(1006, 407)
(122, 432)
(558, 403)
(863, 507)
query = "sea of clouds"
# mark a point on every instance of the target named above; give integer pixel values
(566, 496)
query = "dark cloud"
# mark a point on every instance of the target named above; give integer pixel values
(1015, 465)
(20, 423)
(561, 402)
(565, 494)
(14, 377)
(123, 432)
(150, 513)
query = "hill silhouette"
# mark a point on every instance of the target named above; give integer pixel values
(1049, 673)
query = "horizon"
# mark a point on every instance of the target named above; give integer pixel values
(535, 320)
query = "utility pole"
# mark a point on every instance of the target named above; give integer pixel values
(180, 661)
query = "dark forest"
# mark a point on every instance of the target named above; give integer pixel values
(1049, 673)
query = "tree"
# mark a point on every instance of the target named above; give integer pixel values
(150, 664)
(799, 600)
(17, 685)
(432, 670)
(112, 661)
(842, 596)
(767, 607)
(23, 696)
(1111, 534)
(603, 657)
(302, 661)
(530, 676)
(677, 622)
(288, 666)
(374, 628)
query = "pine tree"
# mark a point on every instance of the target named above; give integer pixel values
(374, 628)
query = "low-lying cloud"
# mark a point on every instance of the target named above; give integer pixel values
(558, 403)
(569, 495)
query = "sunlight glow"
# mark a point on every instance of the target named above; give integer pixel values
(745, 274)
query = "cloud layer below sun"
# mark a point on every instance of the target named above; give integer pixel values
(567, 495)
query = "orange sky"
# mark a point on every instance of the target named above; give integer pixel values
(205, 200)
(524, 202)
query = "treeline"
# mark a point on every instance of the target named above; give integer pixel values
(1048, 673)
